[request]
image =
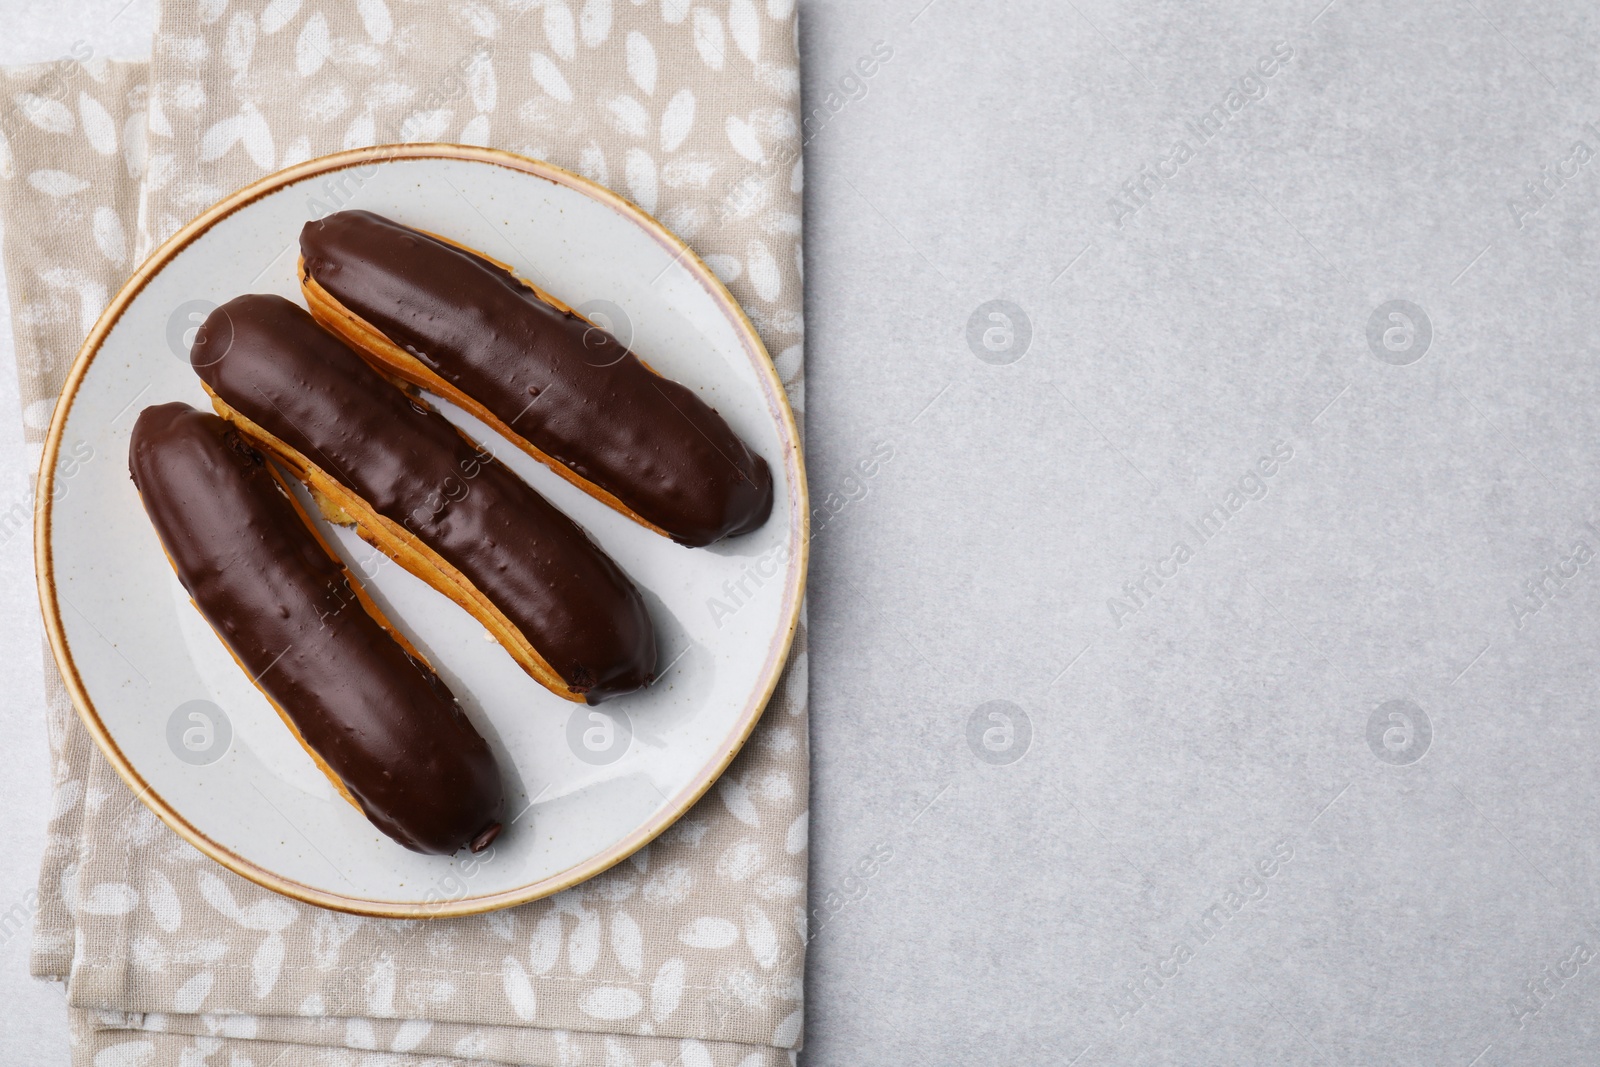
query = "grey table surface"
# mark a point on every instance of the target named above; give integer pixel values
(1204, 660)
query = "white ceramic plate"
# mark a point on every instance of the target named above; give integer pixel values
(588, 786)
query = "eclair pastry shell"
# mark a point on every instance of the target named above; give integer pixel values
(395, 542)
(373, 344)
(354, 692)
(366, 603)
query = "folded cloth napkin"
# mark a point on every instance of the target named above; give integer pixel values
(690, 952)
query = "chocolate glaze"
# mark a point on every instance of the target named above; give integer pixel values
(270, 361)
(568, 388)
(382, 720)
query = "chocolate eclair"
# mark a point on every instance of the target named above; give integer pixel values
(565, 391)
(365, 704)
(428, 497)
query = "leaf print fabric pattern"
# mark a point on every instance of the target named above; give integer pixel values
(691, 951)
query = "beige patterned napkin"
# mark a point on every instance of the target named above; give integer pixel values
(690, 953)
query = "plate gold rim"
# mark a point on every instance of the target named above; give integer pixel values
(778, 652)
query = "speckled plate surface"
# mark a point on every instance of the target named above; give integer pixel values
(588, 786)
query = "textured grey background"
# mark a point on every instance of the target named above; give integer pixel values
(1088, 876)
